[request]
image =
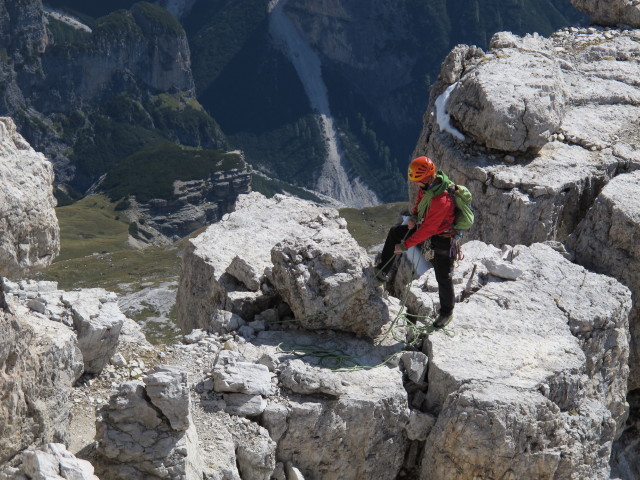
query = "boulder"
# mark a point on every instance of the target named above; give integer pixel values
(505, 110)
(231, 374)
(97, 320)
(229, 259)
(611, 13)
(30, 232)
(606, 241)
(535, 374)
(168, 389)
(327, 280)
(39, 360)
(52, 462)
(135, 434)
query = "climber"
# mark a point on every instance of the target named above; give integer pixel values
(433, 215)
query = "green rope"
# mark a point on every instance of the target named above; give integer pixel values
(342, 362)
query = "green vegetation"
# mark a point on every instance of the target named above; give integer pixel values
(219, 30)
(101, 147)
(150, 173)
(117, 25)
(94, 252)
(89, 226)
(68, 36)
(155, 19)
(369, 226)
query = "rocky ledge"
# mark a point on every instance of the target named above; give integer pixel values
(30, 233)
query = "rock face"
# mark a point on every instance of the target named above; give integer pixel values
(611, 13)
(39, 360)
(604, 241)
(570, 101)
(316, 273)
(145, 432)
(31, 236)
(199, 203)
(539, 378)
(313, 256)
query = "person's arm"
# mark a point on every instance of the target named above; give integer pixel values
(433, 221)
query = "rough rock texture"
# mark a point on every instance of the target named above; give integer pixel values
(335, 424)
(520, 121)
(51, 462)
(529, 383)
(606, 241)
(93, 313)
(135, 433)
(572, 102)
(326, 279)
(228, 261)
(39, 362)
(612, 12)
(198, 203)
(30, 233)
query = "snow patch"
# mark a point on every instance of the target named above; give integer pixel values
(68, 19)
(442, 116)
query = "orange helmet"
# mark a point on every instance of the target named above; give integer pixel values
(421, 169)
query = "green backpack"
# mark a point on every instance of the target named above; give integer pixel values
(461, 195)
(464, 215)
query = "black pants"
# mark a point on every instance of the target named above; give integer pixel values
(442, 263)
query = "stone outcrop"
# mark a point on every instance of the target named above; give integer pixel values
(570, 103)
(30, 232)
(92, 313)
(537, 369)
(39, 362)
(326, 279)
(198, 203)
(318, 419)
(612, 13)
(313, 257)
(606, 241)
(536, 372)
(146, 432)
(51, 461)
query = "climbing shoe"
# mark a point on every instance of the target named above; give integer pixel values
(381, 275)
(443, 320)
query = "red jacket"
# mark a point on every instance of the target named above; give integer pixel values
(439, 217)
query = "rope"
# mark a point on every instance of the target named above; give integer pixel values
(340, 361)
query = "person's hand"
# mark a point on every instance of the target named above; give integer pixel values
(411, 223)
(397, 249)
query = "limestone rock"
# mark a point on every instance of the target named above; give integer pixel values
(135, 440)
(98, 321)
(329, 436)
(31, 236)
(256, 454)
(223, 321)
(521, 120)
(543, 376)
(611, 13)
(242, 377)
(168, 389)
(40, 360)
(326, 279)
(51, 461)
(207, 282)
(580, 87)
(606, 241)
(305, 379)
